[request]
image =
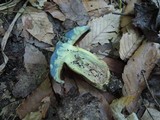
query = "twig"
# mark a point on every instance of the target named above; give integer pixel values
(150, 89)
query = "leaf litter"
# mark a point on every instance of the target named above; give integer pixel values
(132, 33)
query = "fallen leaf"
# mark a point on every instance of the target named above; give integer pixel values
(54, 11)
(144, 59)
(118, 104)
(73, 10)
(36, 69)
(91, 5)
(129, 42)
(32, 102)
(115, 65)
(38, 25)
(42, 110)
(97, 8)
(151, 114)
(103, 30)
(33, 58)
(30, 39)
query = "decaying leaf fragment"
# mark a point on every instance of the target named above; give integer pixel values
(79, 60)
(38, 25)
(143, 60)
(118, 105)
(129, 42)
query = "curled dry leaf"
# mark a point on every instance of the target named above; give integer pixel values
(118, 105)
(103, 30)
(38, 25)
(32, 102)
(129, 42)
(144, 59)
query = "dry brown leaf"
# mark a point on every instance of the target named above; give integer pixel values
(38, 25)
(115, 65)
(117, 106)
(144, 59)
(54, 11)
(129, 42)
(91, 5)
(103, 30)
(97, 8)
(73, 10)
(32, 102)
(41, 113)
